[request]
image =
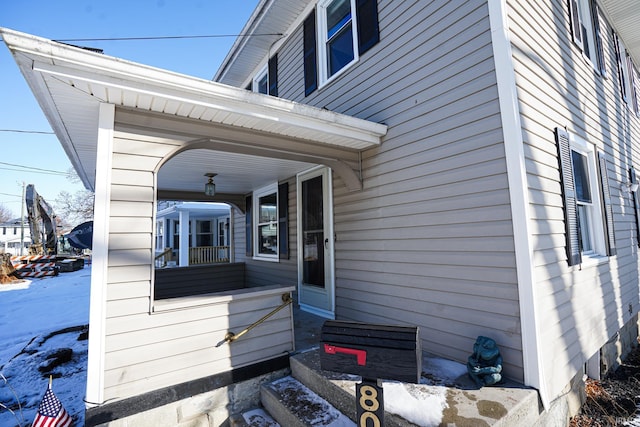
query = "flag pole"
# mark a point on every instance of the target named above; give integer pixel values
(50, 380)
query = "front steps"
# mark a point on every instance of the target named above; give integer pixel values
(446, 396)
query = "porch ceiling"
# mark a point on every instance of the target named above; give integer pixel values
(244, 137)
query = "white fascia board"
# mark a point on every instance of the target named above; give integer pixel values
(518, 191)
(74, 63)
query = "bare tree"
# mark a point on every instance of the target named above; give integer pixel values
(75, 208)
(5, 214)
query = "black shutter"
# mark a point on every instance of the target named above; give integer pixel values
(310, 59)
(283, 220)
(367, 17)
(619, 58)
(576, 24)
(569, 196)
(636, 203)
(248, 223)
(607, 206)
(272, 74)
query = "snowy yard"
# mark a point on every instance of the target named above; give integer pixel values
(41, 320)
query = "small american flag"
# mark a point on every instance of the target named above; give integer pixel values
(50, 412)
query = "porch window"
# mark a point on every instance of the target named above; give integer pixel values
(204, 233)
(266, 223)
(159, 234)
(176, 234)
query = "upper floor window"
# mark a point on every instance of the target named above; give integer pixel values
(338, 33)
(346, 29)
(261, 82)
(266, 81)
(585, 30)
(628, 76)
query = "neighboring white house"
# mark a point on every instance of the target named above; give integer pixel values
(13, 236)
(207, 240)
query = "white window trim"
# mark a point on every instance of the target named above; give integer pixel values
(586, 20)
(596, 220)
(321, 40)
(264, 72)
(269, 189)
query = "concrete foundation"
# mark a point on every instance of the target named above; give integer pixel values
(619, 346)
(211, 409)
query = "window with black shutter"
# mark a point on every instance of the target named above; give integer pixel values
(346, 30)
(588, 211)
(585, 31)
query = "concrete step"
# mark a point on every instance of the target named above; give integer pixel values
(292, 404)
(257, 417)
(445, 395)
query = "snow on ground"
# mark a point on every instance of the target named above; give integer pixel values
(39, 319)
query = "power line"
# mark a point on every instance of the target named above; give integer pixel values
(32, 169)
(27, 131)
(209, 36)
(12, 195)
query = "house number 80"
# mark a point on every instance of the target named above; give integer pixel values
(370, 404)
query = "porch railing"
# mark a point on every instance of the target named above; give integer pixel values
(162, 258)
(208, 255)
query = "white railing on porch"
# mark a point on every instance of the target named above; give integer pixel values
(163, 258)
(208, 255)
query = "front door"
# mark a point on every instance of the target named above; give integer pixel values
(315, 242)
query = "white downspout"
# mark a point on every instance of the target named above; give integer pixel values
(518, 193)
(100, 257)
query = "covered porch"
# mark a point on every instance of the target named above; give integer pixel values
(137, 135)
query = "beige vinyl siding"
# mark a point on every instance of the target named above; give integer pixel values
(429, 239)
(579, 308)
(147, 348)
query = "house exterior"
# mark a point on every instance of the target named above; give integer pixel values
(466, 167)
(13, 236)
(206, 242)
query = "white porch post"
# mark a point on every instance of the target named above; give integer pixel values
(100, 252)
(184, 238)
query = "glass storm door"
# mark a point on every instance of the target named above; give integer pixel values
(315, 243)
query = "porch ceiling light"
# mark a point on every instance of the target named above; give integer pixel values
(210, 187)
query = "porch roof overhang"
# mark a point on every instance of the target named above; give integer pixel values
(70, 83)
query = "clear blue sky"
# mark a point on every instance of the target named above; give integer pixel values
(74, 19)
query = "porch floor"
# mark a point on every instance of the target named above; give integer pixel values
(306, 328)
